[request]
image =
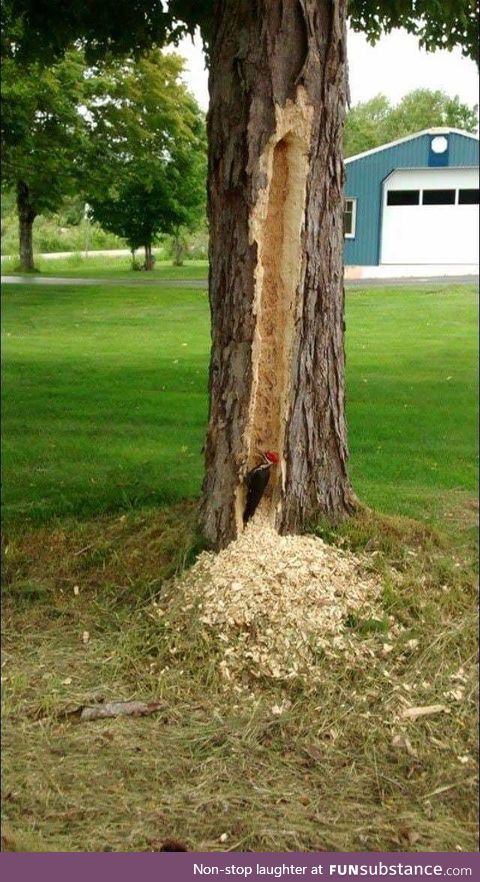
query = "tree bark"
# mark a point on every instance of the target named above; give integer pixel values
(178, 249)
(149, 258)
(26, 217)
(278, 86)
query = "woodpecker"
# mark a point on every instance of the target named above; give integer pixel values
(256, 481)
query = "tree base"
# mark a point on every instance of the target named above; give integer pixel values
(26, 270)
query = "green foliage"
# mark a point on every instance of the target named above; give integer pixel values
(49, 235)
(131, 26)
(423, 109)
(376, 121)
(42, 128)
(8, 221)
(33, 29)
(72, 211)
(364, 125)
(138, 154)
(189, 246)
(438, 25)
(147, 149)
(63, 230)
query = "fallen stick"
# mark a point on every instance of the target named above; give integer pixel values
(117, 709)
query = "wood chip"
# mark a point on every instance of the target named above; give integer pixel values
(404, 742)
(413, 713)
(275, 602)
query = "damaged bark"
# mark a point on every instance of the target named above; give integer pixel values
(278, 87)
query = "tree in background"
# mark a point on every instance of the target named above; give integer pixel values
(147, 150)
(42, 134)
(363, 123)
(375, 122)
(190, 188)
(278, 91)
(423, 108)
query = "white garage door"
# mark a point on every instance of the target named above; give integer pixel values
(430, 216)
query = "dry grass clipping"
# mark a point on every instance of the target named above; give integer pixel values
(340, 769)
(277, 603)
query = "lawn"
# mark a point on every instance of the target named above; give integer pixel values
(104, 417)
(100, 266)
(105, 398)
(412, 397)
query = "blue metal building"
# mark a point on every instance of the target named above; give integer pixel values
(414, 201)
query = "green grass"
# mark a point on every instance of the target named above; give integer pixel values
(105, 398)
(104, 418)
(97, 266)
(412, 397)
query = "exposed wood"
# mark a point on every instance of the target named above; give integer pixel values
(278, 91)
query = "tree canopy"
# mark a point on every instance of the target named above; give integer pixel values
(42, 127)
(48, 26)
(377, 121)
(42, 135)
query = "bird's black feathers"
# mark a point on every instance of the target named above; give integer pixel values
(256, 481)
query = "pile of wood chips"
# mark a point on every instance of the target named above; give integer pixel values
(277, 602)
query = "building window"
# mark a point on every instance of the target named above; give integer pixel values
(438, 197)
(350, 218)
(468, 197)
(403, 197)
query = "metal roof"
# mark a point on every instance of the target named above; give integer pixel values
(441, 130)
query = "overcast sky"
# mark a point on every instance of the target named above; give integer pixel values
(394, 66)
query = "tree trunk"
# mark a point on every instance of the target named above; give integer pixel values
(149, 258)
(178, 249)
(26, 217)
(278, 85)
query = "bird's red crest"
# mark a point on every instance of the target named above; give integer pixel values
(272, 457)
